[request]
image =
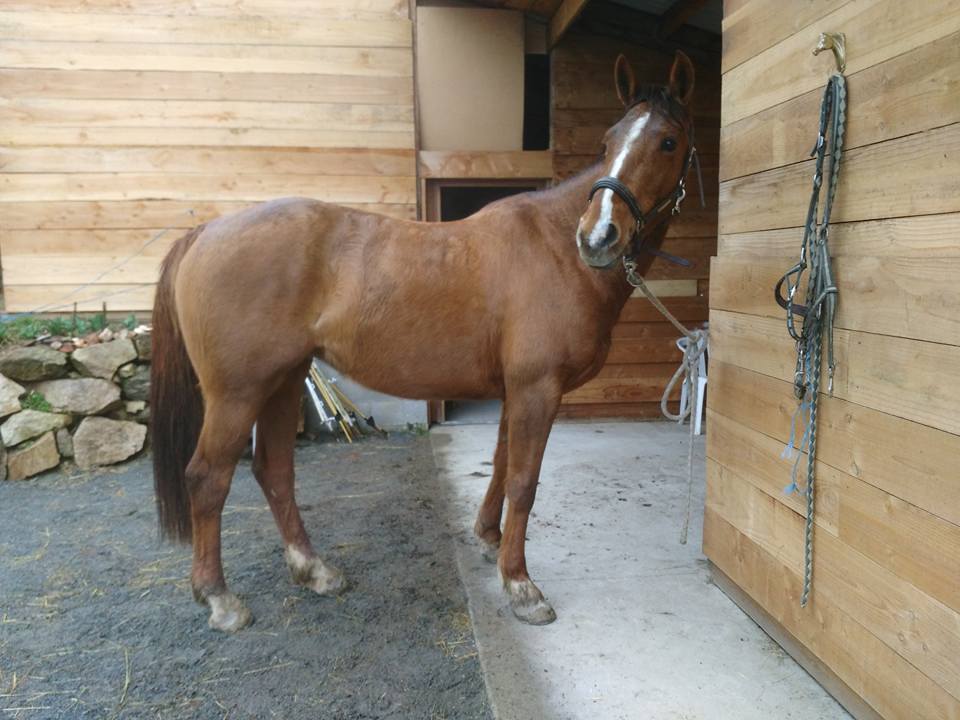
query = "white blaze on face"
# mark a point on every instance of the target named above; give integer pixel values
(606, 200)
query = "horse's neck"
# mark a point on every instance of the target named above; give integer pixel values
(565, 203)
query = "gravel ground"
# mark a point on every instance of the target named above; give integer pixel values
(97, 619)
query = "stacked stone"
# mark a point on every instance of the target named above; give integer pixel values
(98, 397)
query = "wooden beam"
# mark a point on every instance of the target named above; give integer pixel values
(508, 164)
(678, 14)
(563, 18)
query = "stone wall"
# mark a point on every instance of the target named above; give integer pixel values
(80, 400)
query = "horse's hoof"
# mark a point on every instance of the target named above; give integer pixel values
(228, 613)
(528, 604)
(314, 573)
(490, 551)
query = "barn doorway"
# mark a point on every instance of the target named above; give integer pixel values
(446, 201)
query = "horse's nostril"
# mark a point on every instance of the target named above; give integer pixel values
(612, 234)
(597, 241)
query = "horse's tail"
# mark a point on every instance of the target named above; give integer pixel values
(176, 405)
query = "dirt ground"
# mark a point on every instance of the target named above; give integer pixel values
(97, 619)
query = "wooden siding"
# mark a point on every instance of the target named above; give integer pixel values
(123, 122)
(884, 614)
(644, 354)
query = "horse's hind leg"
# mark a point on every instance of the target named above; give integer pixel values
(487, 527)
(226, 428)
(274, 470)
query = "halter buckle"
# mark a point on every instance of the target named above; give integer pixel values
(681, 194)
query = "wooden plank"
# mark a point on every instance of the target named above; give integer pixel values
(179, 186)
(96, 242)
(907, 460)
(670, 288)
(563, 18)
(695, 250)
(888, 682)
(232, 161)
(887, 28)
(52, 26)
(923, 236)
(916, 91)
(479, 164)
(201, 113)
(627, 350)
(917, 627)
(815, 667)
(645, 329)
(209, 86)
(914, 175)
(31, 135)
(594, 411)
(685, 309)
(677, 14)
(78, 268)
(123, 214)
(914, 545)
(224, 8)
(894, 295)
(61, 298)
(910, 379)
(383, 62)
(752, 26)
(646, 388)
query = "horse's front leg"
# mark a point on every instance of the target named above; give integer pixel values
(533, 408)
(487, 527)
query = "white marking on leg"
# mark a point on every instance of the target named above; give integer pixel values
(599, 231)
(528, 603)
(296, 559)
(228, 613)
(314, 573)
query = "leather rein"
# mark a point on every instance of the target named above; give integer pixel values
(652, 216)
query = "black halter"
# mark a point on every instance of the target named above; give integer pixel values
(652, 216)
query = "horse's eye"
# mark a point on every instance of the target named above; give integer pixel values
(668, 145)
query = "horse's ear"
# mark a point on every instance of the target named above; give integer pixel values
(681, 78)
(624, 80)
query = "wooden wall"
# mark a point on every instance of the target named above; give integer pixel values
(884, 615)
(644, 355)
(120, 118)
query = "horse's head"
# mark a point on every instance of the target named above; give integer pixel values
(645, 157)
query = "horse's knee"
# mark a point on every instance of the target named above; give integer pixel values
(521, 491)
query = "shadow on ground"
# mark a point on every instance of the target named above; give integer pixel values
(97, 620)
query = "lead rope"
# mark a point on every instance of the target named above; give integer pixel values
(819, 311)
(688, 370)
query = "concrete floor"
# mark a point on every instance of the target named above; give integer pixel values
(642, 633)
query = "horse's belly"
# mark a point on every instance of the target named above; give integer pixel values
(416, 368)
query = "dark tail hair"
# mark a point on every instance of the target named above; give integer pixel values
(176, 406)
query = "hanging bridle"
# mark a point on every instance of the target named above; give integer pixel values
(652, 216)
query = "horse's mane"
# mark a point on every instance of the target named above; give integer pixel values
(660, 99)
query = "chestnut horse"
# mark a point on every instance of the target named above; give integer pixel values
(515, 302)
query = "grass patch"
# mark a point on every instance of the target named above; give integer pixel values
(35, 401)
(28, 327)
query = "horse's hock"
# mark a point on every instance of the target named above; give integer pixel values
(77, 400)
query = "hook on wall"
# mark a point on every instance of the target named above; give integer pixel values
(836, 42)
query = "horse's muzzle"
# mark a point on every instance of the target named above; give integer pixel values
(602, 251)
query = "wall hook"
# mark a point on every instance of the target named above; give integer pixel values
(836, 42)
